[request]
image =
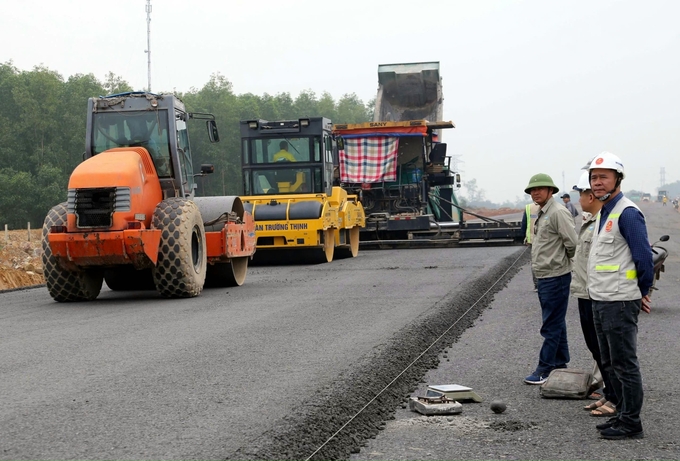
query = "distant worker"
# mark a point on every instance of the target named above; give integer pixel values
(566, 198)
(665, 200)
(552, 247)
(620, 275)
(528, 223)
(283, 154)
(606, 406)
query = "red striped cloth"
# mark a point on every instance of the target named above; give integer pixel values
(368, 160)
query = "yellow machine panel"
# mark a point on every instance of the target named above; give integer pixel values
(309, 221)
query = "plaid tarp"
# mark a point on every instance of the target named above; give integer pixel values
(368, 160)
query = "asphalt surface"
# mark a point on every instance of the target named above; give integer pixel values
(317, 362)
(269, 370)
(502, 348)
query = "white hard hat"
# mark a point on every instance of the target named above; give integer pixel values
(583, 182)
(609, 161)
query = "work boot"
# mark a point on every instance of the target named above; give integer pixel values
(619, 432)
(609, 423)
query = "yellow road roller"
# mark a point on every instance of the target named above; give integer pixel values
(289, 167)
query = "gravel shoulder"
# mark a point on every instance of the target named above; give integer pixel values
(501, 348)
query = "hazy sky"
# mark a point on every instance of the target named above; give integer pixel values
(532, 86)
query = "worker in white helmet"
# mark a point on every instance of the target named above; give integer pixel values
(620, 275)
(606, 406)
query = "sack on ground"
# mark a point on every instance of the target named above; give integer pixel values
(566, 383)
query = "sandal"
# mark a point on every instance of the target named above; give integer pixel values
(608, 409)
(595, 405)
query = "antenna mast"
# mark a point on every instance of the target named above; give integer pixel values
(148, 43)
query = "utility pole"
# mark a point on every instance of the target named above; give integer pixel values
(662, 179)
(455, 161)
(148, 43)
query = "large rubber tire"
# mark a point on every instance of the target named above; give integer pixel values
(182, 256)
(66, 285)
(231, 274)
(351, 250)
(127, 278)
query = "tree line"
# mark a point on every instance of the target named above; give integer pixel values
(42, 132)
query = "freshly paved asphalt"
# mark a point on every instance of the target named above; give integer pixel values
(317, 361)
(250, 372)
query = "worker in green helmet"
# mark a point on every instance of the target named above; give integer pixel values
(553, 245)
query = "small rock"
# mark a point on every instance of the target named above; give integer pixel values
(497, 406)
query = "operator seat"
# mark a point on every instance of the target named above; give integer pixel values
(438, 154)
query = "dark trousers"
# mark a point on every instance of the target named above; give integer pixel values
(585, 311)
(553, 294)
(616, 327)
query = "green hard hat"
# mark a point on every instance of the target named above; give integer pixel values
(541, 180)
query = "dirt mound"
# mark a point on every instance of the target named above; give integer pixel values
(20, 259)
(490, 212)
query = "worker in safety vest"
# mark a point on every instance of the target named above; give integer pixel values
(283, 154)
(528, 222)
(620, 275)
(606, 406)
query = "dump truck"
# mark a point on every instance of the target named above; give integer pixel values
(411, 91)
(400, 169)
(288, 169)
(132, 218)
